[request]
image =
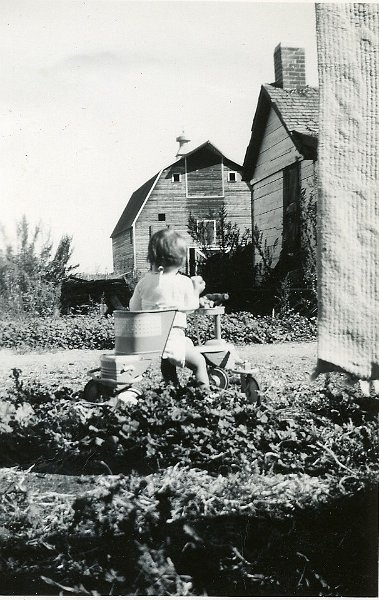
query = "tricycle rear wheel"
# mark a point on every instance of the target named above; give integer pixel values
(94, 390)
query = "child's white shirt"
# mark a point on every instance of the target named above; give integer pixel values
(157, 291)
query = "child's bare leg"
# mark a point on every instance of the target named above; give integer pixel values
(196, 362)
(168, 371)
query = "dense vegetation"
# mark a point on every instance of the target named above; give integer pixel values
(243, 264)
(198, 493)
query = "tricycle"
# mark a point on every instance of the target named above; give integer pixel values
(141, 337)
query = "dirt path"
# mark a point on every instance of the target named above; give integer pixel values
(278, 352)
(48, 360)
(287, 362)
(280, 365)
(66, 367)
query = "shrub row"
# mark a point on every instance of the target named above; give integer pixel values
(245, 328)
(80, 331)
(94, 332)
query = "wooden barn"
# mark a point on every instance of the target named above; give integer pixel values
(280, 160)
(198, 183)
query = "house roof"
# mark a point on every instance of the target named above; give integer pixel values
(139, 197)
(297, 110)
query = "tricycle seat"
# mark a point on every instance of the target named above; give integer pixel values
(142, 332)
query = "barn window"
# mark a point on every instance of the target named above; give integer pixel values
(232, 176)
(131, 235)
(176, 177)
(207, 231)
(161, 216)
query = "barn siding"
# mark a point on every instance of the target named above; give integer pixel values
(171, 199)
(167, 197)
(204, 174)
(209, 181)
(122, 248)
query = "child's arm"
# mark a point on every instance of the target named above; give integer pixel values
(135, 302)
(193, 288)
(198, 284)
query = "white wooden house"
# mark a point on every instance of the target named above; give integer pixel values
(281, 157)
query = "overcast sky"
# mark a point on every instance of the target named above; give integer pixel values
(93, 95)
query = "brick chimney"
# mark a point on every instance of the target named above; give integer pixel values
(289, 63)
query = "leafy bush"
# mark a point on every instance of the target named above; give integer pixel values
(30, 272)
(244, 328)
(290, 282)
(96, 332)
(229, 266)
(80, 331)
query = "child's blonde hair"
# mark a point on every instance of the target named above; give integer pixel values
(167, 248)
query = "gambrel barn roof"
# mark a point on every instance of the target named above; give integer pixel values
(297, 110)
(134, 205)
(141, 195)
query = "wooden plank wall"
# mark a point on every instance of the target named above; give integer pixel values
(167, 197)
(122, 249)
(170, 198)
(204, 174)
(268, 205)
(277, 149)
(277, 152)
(308, 177)
(268, 212)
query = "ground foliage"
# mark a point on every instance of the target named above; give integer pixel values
(199, 493)
(97, 332)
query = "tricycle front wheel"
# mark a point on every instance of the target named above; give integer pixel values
(219, 378)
